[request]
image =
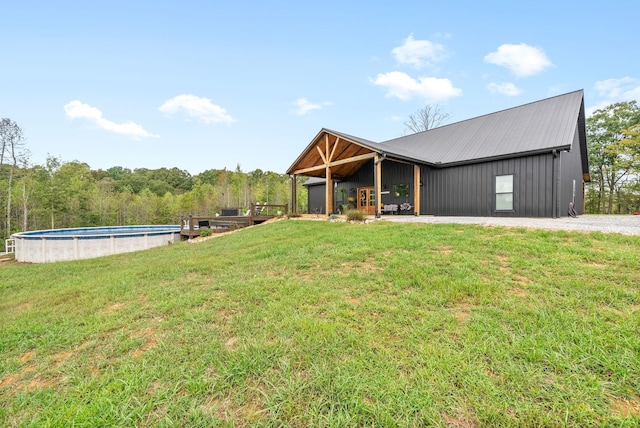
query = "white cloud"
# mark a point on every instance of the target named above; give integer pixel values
(504, 88)
(303, 106)
(418, 53)
(625, 89)
(405, 87)
(78, 110)
(200, 108)
(588, 111)
(523, 60)
(615, 90)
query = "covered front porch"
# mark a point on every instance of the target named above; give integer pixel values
(352, 169)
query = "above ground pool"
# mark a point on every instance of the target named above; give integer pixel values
(54, 245)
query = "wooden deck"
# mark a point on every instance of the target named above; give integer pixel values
(231, 218)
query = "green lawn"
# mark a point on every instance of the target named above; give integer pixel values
(301, 323)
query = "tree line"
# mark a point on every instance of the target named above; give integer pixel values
(62, 194)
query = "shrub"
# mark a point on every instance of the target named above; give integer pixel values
(205, 231)
(355, 215)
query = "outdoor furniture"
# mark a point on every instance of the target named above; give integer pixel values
(390, 209)
(229, 211)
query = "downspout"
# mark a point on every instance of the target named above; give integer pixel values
(376, 179)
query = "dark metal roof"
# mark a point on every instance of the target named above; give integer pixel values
(530, 128)
(367, 143)
(314, 181)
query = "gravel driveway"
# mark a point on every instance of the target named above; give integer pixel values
(624, 224)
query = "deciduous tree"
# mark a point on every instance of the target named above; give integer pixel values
(12, 149)
(428, 117)
(613, 149)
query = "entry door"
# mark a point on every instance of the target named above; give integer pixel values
(367, 200)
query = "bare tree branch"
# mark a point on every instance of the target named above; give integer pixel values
(428, 117)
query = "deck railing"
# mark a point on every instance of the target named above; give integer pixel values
(10, 245)
(231, 218)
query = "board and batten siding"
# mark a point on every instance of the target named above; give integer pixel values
(469, 190)
(316, 197)
(392, 173)
(570, 170)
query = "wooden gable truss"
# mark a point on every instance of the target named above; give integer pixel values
(335, 157)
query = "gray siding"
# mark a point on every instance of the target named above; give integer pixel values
(316, 197)
(361, 178)
(571, 169)
(396, 173)
(392, 173)
(469, 190)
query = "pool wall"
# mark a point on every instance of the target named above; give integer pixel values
(47, 246)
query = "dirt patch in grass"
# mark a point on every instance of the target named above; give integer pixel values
(242, 414)
(446, 250)
(369, 265)
(150, 341)
(354, 301)
(517, 291)
(462, 312)
(459, 421)
(27, 356)
(597, 265)
(231, 344)
(25, 307)
(522, 280)
(35, 382)
(9, 380)
(226, 314)
(112, 308)
(61, 357)
(626, 407)
(503, 263)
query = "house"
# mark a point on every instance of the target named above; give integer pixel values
(526, 161)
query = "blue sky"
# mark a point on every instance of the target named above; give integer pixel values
(207, 84)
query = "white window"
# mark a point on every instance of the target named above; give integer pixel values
(504, 192)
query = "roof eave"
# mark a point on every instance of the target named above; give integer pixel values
(502, 157)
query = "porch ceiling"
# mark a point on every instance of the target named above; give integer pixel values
(342, 155)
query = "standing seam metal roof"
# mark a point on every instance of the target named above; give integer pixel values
(534, 127)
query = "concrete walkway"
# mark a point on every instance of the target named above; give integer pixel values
(624, 224)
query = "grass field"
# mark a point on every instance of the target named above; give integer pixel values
(302, 323)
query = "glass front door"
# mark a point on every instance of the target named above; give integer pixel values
(367, 200)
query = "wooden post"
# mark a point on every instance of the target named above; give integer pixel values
(329, 192)
(416, 190)
(377, 162)
(294, 194)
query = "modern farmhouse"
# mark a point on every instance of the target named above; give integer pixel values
(526, 161)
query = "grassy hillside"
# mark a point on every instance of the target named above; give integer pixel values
(301, 323)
